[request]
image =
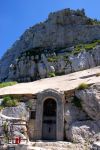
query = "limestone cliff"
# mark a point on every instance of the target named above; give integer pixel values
(49, 48)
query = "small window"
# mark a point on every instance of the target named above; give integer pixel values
(32, 114)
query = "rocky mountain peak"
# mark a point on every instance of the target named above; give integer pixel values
(67, 16)
(59, 34)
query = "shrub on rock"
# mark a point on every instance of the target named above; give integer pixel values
(9, 102)
(82, 86)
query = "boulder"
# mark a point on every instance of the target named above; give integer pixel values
(90, 100)
(84, 132)
(84, 60)
(73, 113)
(19, 111)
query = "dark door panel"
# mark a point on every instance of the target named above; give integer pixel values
(49, 120)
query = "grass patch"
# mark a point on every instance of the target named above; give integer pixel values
(8, 101)
(66, 57)
(60, 73)
(98, 74)
(92, 22)
(77, 102)
(78, 49)
(4, 84)
(1, 107)
(82, 86)
(53, 58)
(89, 46)
(51, 74)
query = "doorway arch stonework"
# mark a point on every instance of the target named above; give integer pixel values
(59, 98)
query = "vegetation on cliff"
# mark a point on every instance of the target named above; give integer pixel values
(87, 46)
(4, 84)
(9, 101)
(60, 39)
(82, 86)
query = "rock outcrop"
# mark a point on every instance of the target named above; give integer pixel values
(84, 129)
(73, 114)
(8, 116)
(84, 132)
(19, 111)
(56, 36)
(90, 100)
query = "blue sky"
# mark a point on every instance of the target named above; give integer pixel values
(18, 15)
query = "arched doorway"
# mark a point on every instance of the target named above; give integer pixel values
(49, 119)
(58, 100)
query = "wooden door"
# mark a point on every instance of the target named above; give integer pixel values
(49, 120)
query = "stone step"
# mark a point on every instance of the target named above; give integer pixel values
(45, 143)
(55, 148)
(57, 145)
(48, 146)
(35, 148)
